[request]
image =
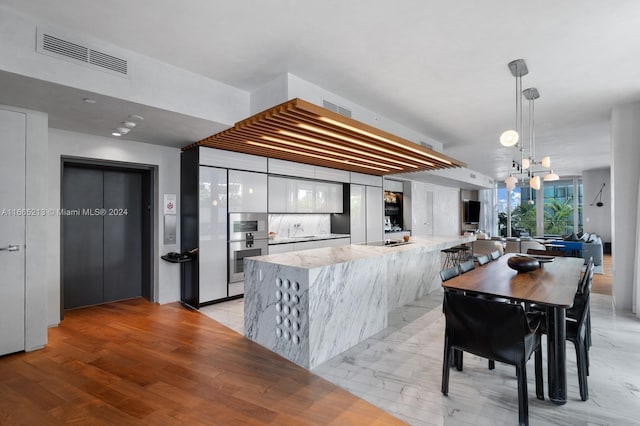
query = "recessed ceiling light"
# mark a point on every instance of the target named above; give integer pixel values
(114, 133)
(123, 130)
(129, 124)
(136, 117)
(89, 100)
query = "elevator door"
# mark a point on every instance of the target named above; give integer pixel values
(102, 235)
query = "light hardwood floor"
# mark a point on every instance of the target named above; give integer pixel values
(135, 362)
(602, 283)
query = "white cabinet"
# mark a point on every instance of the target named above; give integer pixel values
(308, 245)
(212, 218)
(358, 214)
(375, 203)
(366, 214)
(332, 175)
(247, 192)
(231, 160)
(288, 195)
(290, 168)
(277, 194)
(336, 242)
(301, 197)
(280, 248)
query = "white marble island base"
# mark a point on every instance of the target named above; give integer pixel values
(310, 306)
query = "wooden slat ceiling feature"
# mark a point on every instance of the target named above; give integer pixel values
(306, 133)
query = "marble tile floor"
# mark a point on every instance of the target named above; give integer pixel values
(400, 368)
(229, 314)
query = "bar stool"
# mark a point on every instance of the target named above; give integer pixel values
(451, 257)
(463, 253)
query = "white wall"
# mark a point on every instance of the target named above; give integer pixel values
(167, 181)
(625, 147)
(152, 82)
(597, 219)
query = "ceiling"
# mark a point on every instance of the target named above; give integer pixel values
(437, 67)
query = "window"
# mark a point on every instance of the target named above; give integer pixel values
(563, 213)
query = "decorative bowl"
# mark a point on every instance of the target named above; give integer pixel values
(523, 263)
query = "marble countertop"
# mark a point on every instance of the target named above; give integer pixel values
(285, 240)
(315, 258)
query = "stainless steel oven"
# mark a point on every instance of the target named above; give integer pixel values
(243, 226)
(248, 236)
(238, 250)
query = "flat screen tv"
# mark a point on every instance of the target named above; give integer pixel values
(471, 211)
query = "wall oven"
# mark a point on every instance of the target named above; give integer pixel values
(248, 236)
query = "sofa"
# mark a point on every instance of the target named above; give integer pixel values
(586, 245)
(522, 245)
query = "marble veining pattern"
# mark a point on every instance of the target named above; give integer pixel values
(347, 303)
(329, 255)
(276, 310)
(344, 297)
(296, 225)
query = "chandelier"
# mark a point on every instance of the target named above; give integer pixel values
(509, 138)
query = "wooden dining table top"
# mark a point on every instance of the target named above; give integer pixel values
(553, 284)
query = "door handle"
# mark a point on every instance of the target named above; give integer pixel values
(11, 247)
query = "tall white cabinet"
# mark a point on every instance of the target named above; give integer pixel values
(366, 213)
(212, 224)
(375, 215)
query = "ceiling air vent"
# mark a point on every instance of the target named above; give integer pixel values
(79, 52)
(336, 108)
(426, 145)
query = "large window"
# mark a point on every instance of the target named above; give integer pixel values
(559, 200)
(561, 211)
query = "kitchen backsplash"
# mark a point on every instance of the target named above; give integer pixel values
(297, 225)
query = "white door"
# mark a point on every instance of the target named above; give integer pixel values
(12, 230)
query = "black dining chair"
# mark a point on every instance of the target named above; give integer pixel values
(577, 333)
(497, 331)
(447, 274)
(466, 266)
(483, 260)
(573, 313)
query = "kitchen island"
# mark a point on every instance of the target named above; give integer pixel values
(309, 306)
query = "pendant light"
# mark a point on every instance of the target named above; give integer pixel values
(534, 182)
(508, 138)
(511, 137)
(551, 176)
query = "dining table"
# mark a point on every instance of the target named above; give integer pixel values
(552, 286)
